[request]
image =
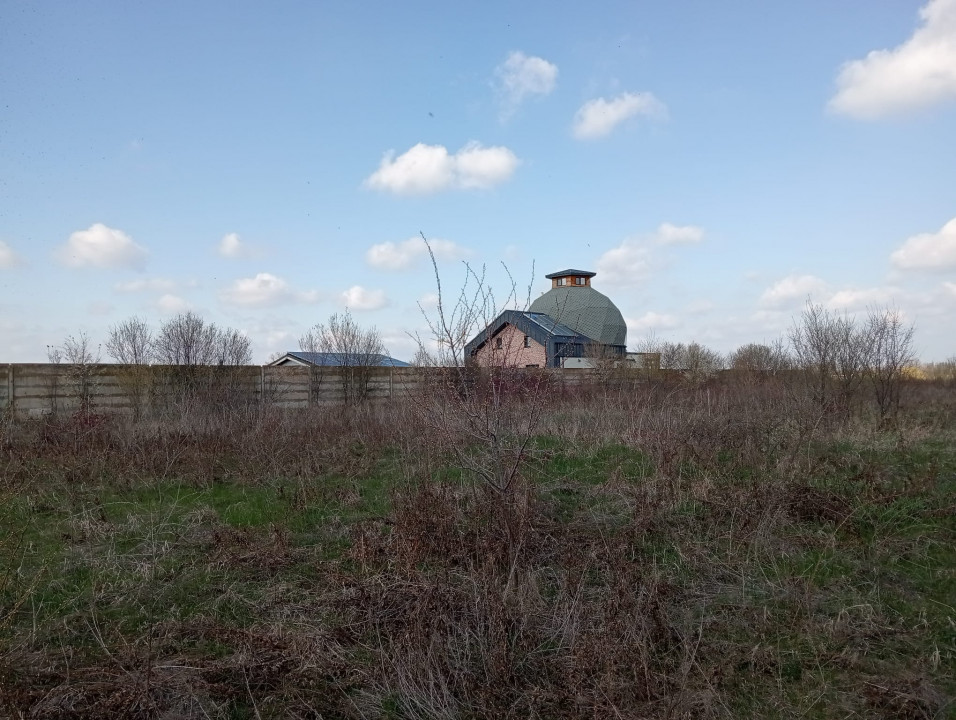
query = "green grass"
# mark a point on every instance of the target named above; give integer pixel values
(827, 594)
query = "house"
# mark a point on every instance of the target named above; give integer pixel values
(336, 359)
(571, 320)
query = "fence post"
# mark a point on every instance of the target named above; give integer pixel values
(11, 388)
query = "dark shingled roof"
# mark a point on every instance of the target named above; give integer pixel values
(566, 273)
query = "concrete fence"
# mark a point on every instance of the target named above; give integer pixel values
(33, 390)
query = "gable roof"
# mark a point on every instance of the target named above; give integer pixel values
(540, 327)
(338, 360)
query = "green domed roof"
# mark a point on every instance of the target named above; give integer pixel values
(586, 311)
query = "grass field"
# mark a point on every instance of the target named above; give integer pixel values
(665, 551)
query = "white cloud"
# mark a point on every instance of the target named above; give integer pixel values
(103, 247)
(425, 169)
(169, 304)
(628, 262)
(792, 290)
(231, 246)
(428, 301)
(950, 288)
(521, 76)
(634, 258)
(928, 251)
(264, 290)
(359, 298)
(652, 321)
(851, 299)
(8, 258)
(400, 256)
(668, 234)
(598, 117)
(914, 75)
(147, 285)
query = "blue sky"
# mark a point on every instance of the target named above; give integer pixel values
(717, 164)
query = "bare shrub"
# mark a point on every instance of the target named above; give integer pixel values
(80, 361)
(832, 354)
(891, 354)
(760, 360)
(342, 343)
(696, 362)
(478, 405)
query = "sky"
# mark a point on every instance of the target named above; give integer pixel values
(718, 165)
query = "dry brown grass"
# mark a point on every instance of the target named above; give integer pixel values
(665, 551)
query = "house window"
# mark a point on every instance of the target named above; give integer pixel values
(497, 343)
(527, 341)
(562, 281)
(579, 281)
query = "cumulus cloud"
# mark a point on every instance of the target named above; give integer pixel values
(8, 258)
(231, 246)
(919, 73)
(598, 117)
(359, 298)
(628, 262)
(426, 169)
(521, 76)
(263, 290)
(170, 304)
(652, 321)
(102, 247)
(928, 251)
(401, 256)
(634, 258)
(791, 290)
(668, 234)
(852, 299)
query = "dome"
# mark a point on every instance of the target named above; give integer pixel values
(586, 311)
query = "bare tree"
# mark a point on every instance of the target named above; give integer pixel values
(891, 353)
(759, 359)
(833, 355)
(233, 348)
(81, 360)
(343, 343)
(187, 340)
(695, 361)
(496, 408)
(130, 342)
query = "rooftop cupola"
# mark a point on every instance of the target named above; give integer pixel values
(571, 278)
(573, 302)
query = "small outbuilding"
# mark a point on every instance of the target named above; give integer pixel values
(336, 359)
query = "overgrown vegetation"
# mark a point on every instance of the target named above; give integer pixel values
(724, 549)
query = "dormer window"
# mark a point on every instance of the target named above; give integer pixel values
(580, 281)
(562, 281)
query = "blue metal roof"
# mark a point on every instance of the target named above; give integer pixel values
(347, 359)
